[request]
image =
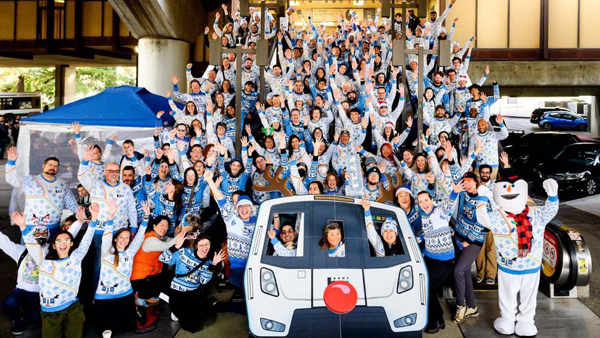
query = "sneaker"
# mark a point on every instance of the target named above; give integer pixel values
(174, 318)
(459, 317)
(472, 312)
(490, 281)
(18, 327)
(153, 301)
(145, 329)
(479, 279)
(434, 328)
(107, 334)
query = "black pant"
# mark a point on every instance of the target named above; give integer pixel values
(438, 271)
(190, 308)
(117, 314)
(149, 287)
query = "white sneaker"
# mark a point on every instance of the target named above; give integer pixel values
(174, 318)
(107, 334)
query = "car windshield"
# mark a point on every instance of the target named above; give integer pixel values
(578, 155)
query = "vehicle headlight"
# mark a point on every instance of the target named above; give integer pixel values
(268, 284)
(405, 279)
(575, 176)
(409, 320)
(271, 325)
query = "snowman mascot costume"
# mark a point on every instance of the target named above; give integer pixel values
(518, 232)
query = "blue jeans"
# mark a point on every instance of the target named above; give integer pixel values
(28, 301)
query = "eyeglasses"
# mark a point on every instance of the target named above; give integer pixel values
(290, 231)
(195, 151)
(180, 129)
(112, 171)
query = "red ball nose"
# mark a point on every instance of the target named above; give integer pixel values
(340, 297)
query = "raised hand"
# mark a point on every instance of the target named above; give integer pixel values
(499, 119)
(365, 204)
(112, 206)
(19, 219)
(160, 114)
(487, 69)
(248, 129)
(206, 30)
(430, 177)
(88, 154)
(218, 258)
(455, 19)
(175, 79)
(504, 159)
(551, 187)
(94, 210)
(244, 140)
(146, 208)
(180, 238)
(12, 154)
(76, 127)
(80, 215)
(148, 170)
(208, 175)
(409, 121)
(272, 233)
(159, 153)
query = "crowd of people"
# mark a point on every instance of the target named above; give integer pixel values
(338, 119)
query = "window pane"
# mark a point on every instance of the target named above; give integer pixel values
(465, 27)
(492, 30)
(562, 24)
(524, 24)
(588, 24)
(290, 235)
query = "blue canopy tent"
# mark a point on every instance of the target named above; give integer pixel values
(123, 106)
(127, 113)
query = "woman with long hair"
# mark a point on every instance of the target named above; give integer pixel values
(193, 191)
(194, 267)
(169, 204)
(114, 299)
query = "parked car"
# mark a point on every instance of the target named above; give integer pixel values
(575, 168)
(537, 114)
(285, 296)
(534, 148)
(563, 120)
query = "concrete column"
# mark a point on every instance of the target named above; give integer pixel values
(70, 84)
(158, 60)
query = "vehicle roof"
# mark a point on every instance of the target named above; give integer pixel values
(585, 144)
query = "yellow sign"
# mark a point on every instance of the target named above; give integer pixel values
(583, 268)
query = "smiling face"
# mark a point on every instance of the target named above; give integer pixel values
(288, 234)
(244, 211)
(50, 168)
(404, 200)
(425, 202)
(202, 248)
(482, 126)
(128, 176)
(389, 236)
(511, 197)
(334, 237)
(122, 240)
(111, 173)
(235, 167)
(421, 163)
(62, 245)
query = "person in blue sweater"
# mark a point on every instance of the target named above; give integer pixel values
(240, 224)
(137, 187)
(194, 267)
(472, 224)
(193, 191)
(169, 204)
(60, 274)
(390, 246)
(238, 174)
(114, 299)
(439, 249)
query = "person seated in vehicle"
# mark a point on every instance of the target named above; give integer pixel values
(287, 246)
(333, 240)
(389, 232)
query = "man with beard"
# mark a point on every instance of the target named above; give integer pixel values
(440, 123)
(372, 190)
(45, 195)
(487, 266)
(489, 140)
(137, 187)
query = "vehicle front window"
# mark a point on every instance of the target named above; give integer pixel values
(578, 155)
(386, 241)
(286, 235)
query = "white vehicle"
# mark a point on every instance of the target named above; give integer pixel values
(24, 104)
(285, 295)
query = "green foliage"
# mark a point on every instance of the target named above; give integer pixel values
(89, 81)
